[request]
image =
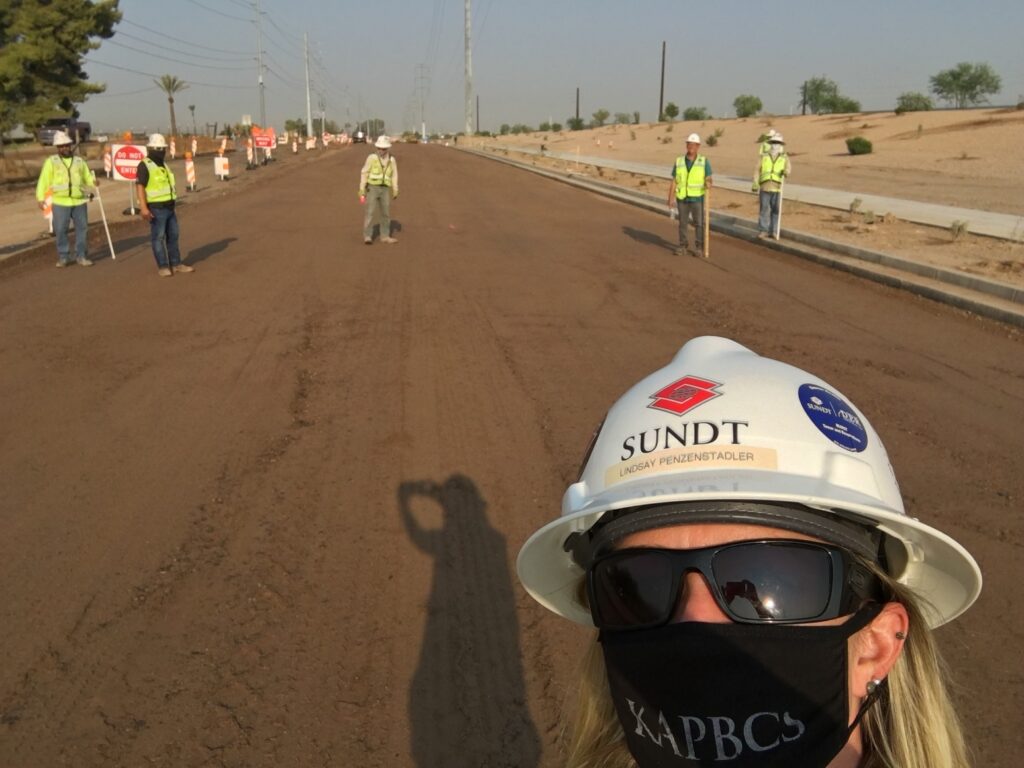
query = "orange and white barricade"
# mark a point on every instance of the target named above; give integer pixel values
(311, 142)
(295, 146)
(48, 208)
(195, 146)
(248, 152)
(108, 164)
(223, 145)
(190, 171)
(174, 148)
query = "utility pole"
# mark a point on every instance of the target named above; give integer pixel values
(661, 97)
(309, 111)
(422, 80)
(478, 113)
(259, 60)
(469, 73)
(577, 105)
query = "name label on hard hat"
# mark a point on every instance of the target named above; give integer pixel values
(834, 417)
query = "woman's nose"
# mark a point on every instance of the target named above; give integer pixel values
(696, 603)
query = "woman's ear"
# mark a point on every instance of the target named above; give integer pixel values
(877, 647)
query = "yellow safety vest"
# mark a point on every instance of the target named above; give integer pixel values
(379, 174)
(772, 170)
(66, 181)
(690, 183)
(160, 186)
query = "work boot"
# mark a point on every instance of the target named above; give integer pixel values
(183, 267)
(62, 263)
(164, 272)
(696, 252)
(84, 262)
(368, 241)
(388, 239)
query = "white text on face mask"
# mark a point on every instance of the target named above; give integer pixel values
(728, 744)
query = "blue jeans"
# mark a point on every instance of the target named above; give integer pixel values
(63, 215)
(768, 218)
(163, 231)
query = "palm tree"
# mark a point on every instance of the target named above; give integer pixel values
(171, 85)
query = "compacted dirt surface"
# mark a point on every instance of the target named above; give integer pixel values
(266, 514)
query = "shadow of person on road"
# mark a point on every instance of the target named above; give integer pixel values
(467, 701)
(203, 252)
(649, 238)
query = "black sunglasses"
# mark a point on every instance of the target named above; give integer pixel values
(771, 581)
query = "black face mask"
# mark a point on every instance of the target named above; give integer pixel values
(739, 695)
(156, 155)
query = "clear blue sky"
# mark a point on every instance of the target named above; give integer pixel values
(530, 55)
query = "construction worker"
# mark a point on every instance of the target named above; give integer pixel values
(761, 596)
(765, 144)
(378, 184)
(69, 180)
(691, 177)
(772, 168)
(155, 183)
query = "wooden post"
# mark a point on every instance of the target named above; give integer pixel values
(707, 222)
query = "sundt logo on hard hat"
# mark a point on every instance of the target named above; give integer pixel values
(684, 395)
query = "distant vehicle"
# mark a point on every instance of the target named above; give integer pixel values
(359, 137)
(73, 127)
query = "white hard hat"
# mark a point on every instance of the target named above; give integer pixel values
(382, 142)
(772, 133)
(722, 434)
(776, 139)
(61, 139)
(693, 138)
(157, 141)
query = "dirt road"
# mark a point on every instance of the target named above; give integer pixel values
(266, 514)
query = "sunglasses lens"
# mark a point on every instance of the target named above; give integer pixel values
(632, 589)
(784, 582)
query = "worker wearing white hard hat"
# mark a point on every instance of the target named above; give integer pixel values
(773, 167)
(67, 180)
(157, 196)
(738, 538)
(691, 178)
(378, 185)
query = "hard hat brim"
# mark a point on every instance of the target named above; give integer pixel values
(939, 571)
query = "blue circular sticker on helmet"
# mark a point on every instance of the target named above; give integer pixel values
(833, 417)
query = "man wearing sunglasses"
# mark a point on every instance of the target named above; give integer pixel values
(762, 599)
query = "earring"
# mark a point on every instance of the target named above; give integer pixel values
(873, 686)
(901, 636)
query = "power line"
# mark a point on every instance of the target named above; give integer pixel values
(219, 13)
(176, 50)
(165, 36)
(168, 58)
(151, 74)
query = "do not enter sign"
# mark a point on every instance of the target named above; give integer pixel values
(126, 159)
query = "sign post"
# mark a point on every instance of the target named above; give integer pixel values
(125, 160)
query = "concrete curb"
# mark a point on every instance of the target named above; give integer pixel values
(987, 298)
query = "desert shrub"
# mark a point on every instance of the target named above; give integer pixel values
(545, 126)
(958, 229)
(911, 101)
(575, 123)
(869, 217)
(858, 145)
(696, 113)
(556, 127)
(711, 140)
(636, 118)
(623, 118)
(855, 205)
(668, 128)
(632, 135)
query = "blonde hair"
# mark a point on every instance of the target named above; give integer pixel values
(913, 725)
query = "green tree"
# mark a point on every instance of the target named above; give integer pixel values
(298, 125)
(42, 45)
(171, 85)
(911, 101)
(636, 118)
(966, 84)
(746, 105)
(574, 123)
(556, 127)
(819, 94)
(671, 112)
(623, 118)
(545, 126)
(696, 113)
(505, 128)
(842, 104)
(600, 116)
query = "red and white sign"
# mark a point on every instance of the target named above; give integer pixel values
(126, 159)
